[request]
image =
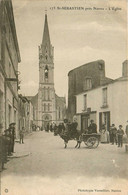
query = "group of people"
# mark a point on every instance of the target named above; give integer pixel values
(53, 127)
(114, 135)
(62, 127)
(7, 141)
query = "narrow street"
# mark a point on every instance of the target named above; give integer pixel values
(51, 169)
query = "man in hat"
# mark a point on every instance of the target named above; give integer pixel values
(12, 129)
(3, 149)
(92, 127)
(8, 136)
(113, 134)
(126, 130)
(120, 133)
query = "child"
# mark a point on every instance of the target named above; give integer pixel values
(120, 134)
(22, 135)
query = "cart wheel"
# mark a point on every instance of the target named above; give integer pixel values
(92, 142)
(85, 142)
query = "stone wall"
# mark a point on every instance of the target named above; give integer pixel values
(76, 77)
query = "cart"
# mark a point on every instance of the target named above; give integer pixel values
(90, 140)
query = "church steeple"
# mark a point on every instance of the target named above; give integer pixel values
(46, 52)
(46, 111)
(46, 37)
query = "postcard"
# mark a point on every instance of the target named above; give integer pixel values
(63, 97)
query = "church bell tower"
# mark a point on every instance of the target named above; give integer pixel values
(46, 93)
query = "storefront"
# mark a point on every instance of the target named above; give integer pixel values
(84, 119)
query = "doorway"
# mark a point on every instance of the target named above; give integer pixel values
(104, 118)
(84, 122)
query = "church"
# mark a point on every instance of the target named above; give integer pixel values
(48, 107)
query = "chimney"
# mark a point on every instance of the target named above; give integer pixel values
(125, 68)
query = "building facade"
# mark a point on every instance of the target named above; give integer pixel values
(105, 104)
(25, 114)
(46, 93)
(87, 76)
(9, 59)
(48, 107)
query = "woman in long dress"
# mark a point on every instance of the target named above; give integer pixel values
(104, 135)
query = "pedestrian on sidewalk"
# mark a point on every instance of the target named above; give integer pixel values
(3, 149)
(8, 141)
(110, 135)
(22, 131)
(13, 135)
(114, 134)
(120, 133)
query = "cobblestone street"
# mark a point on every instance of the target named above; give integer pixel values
(49, 168)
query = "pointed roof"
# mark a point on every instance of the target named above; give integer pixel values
(46, 37)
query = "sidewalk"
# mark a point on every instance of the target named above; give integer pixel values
(21, 150)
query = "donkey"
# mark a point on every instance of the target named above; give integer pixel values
(66, 136)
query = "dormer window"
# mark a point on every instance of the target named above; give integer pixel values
(87, 83)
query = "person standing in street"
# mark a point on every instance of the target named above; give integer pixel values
(51, 129)
(22, 131)
(48, 127)
(120, 133)
(114, 134)
(8, 141)
(12, 129)
(110, 135)
(3, 149)
(104, 135)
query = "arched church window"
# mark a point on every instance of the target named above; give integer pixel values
(46, 71)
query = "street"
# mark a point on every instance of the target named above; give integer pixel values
(51, 169)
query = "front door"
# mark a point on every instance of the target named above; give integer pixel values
(104, 118)
(47, 118)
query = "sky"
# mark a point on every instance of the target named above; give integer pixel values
(78, 36)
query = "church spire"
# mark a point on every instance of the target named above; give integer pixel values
(46, 37)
